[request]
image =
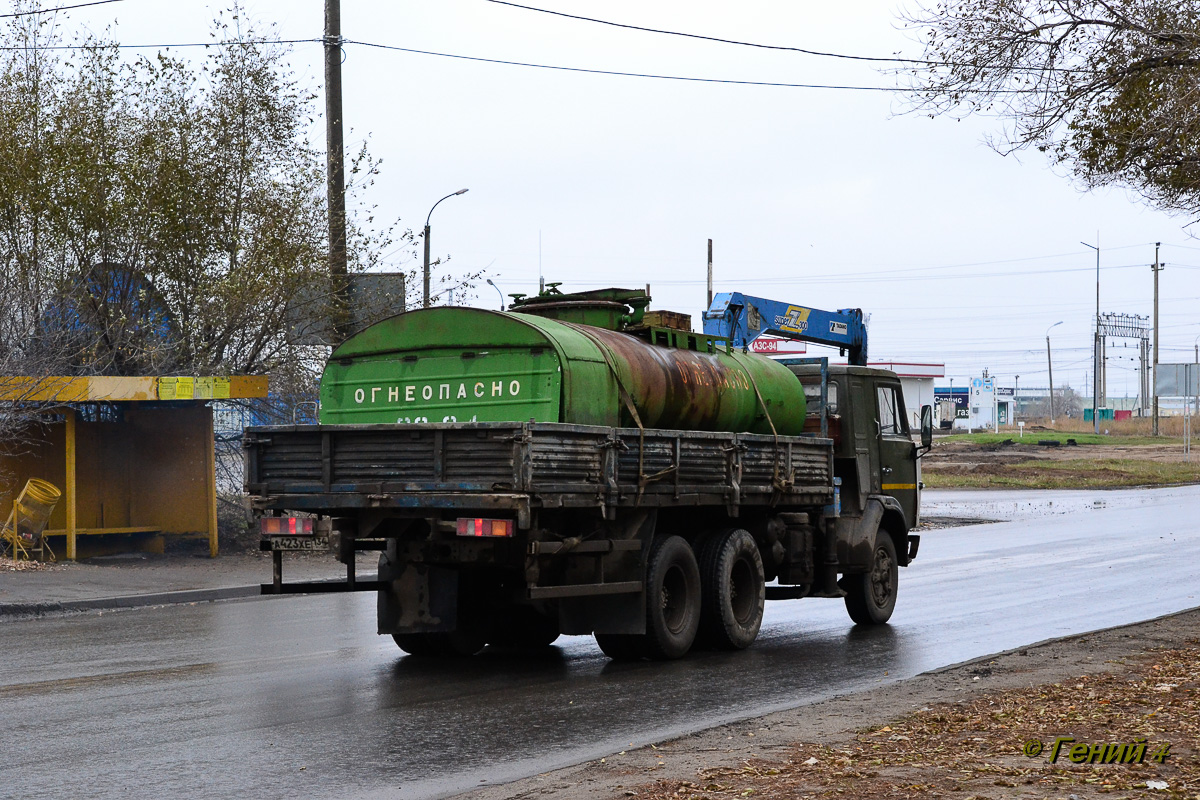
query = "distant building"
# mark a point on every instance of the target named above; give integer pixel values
(980, 404)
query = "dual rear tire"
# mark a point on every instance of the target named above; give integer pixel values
(717, 598)
(734, 590)
(453, 644)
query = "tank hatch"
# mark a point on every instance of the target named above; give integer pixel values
(614, 309)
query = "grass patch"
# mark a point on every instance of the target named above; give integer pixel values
(1033, 437)
(1106, 473)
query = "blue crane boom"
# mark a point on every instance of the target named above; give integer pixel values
(742, 319)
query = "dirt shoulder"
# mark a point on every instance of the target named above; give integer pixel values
(955, 732)
(1023, 463)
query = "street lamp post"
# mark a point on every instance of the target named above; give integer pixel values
(1050, 369)
(425, 303)
(497, 288)
(1196, 360)
(1016, 394)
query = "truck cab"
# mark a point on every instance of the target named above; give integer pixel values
(874, 453)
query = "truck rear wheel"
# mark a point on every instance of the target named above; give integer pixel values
(672, 599)
(871, 596)
(672, 606)
(621, 646)
(733, 589)
(523, 627)
(450, 643)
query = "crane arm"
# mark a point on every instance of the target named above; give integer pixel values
(742, 319)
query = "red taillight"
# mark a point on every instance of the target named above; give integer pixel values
(477, 526)
(286, 526)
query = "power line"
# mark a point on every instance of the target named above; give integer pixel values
(757, 45)
(622, 74)
(59, 8)
(103, 46)
(714, 38)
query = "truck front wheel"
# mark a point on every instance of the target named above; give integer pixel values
(734, 590)
(871, 596)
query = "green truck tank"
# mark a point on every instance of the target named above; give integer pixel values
(554, 361)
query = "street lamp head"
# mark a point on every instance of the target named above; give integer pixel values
(462, 191)
(497, 288)
(1055, 325)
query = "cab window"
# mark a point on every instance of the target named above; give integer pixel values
(891, 412)
(812, 398)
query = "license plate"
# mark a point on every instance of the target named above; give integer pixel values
(313, 543)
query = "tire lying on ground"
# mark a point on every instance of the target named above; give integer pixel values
(673, 600)
(871, 595)
(733, 588)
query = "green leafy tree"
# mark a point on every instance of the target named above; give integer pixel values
(1107, 88)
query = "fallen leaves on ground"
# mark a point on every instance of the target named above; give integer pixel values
(8, 565)
(973, 749)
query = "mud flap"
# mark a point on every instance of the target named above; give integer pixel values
(417, 599)
(615, 613)
(856, 537)
(618, 613)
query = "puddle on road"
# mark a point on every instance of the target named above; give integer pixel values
(987, 505)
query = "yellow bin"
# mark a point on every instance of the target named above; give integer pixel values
(31, 511)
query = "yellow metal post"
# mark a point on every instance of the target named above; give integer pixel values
(70, 448)
(211, 481)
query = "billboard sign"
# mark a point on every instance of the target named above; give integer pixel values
(1177, 380)
(774, 346)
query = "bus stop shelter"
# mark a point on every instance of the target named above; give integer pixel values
(133, 456)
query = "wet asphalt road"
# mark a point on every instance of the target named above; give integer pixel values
(298, 697)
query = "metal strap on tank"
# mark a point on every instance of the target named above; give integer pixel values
(627, 399)
(780, 484)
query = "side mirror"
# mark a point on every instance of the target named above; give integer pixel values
(927, 427)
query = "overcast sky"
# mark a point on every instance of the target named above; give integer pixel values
(826, 197)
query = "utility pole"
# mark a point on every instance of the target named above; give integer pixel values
(1096, 355)
(1158, 267)
(335, 170)
(707, 307)
(1050, 368)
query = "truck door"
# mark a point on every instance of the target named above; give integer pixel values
(866, 452)
(897, 452)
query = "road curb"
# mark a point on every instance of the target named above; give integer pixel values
(128, 601)
(45, 609)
